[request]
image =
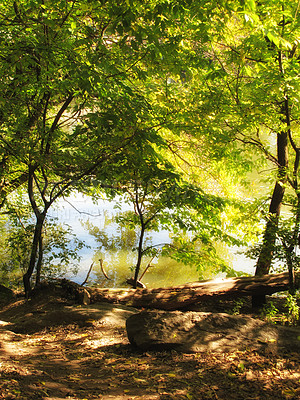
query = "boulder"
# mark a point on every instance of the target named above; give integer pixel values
(205, 331)
(6, 294)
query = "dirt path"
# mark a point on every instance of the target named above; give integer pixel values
(52, 349)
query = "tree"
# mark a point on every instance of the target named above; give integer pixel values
(69, 106)
(86, 86)
(248, 92)
(162, 198)
(77, 89)
(160, 202)
(60, 245)
(149, 197)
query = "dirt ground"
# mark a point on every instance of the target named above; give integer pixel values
(52, 348)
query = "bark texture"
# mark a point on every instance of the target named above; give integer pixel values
(184, 296)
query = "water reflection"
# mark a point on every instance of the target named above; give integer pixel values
(95, 224)
(116, 249)
(164, 272)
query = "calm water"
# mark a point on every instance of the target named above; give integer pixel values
(115, 247)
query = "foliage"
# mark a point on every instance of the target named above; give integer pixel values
(270, 311)
(293, 309)
(69, 106)
(161, 201)
(285, 251)
(249, 94)
(61, 247)
(288, 317)
(169, 102)
(238, 304)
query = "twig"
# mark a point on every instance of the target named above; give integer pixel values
(81, 212)
(102, 269)
(88, 274)
(148, 266)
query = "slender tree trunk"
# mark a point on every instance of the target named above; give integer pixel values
(34, 252)
(140, 255)
(39, 261)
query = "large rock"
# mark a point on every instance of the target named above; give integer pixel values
(205, 331)
(6, 294)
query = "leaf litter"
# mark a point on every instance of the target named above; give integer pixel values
(94, 360)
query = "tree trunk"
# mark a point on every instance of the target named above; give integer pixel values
(33, 255)
(36, 247)
(266, 254)
(184, 296)
(39, 261)
(140, 254)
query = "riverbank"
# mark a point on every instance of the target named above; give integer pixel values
(54, 349)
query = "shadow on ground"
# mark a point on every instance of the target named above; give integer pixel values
(53, 349)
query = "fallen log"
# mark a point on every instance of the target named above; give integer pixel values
(183, 296)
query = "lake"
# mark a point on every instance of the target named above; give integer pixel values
(115, 247)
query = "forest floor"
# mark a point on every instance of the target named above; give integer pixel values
(52, 349)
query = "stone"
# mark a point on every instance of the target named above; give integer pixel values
(206, 331)
(6, 294)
